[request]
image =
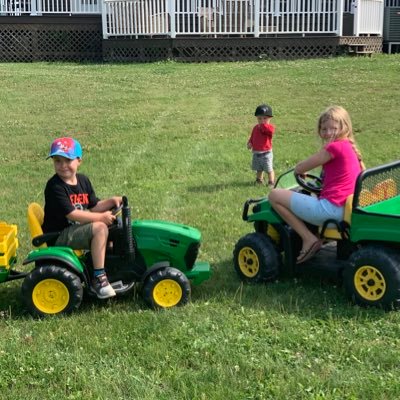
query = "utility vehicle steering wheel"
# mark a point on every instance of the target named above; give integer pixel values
(309, 182)
(117, 210)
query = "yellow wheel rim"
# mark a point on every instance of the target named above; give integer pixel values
(369, 283)
(248, 262)
(50, 296)
(167, 293)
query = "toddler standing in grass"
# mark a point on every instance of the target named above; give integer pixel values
(260, 142)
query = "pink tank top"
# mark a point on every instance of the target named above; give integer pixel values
(340, 172)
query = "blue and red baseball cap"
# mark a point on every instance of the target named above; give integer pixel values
(66, 147)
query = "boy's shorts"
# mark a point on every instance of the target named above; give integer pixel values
(313, 210)
(77, 237)
(262, 161)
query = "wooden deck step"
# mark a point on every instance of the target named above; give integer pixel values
(359, 49)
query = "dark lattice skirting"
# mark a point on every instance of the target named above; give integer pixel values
(50, 38)
(231, 49)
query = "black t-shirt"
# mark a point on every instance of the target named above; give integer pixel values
(61, 199)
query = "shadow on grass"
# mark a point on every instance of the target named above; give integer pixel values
(309, 296)
(216, 187)
(12, 305)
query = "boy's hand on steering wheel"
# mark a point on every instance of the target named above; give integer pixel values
(108, 217)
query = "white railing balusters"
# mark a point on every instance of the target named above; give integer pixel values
(215, 17)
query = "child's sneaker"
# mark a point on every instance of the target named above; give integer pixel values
(271, 184)
(102, 287)
(259, 182)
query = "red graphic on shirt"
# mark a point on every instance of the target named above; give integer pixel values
(81, 198)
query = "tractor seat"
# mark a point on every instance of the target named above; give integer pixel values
(340, 230)
(35, 221)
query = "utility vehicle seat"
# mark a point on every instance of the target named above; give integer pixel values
(334, 233)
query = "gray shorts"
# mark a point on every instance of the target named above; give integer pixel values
(77, 237)
(262, 161)
(313, 210)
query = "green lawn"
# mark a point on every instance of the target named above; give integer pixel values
(172, 137)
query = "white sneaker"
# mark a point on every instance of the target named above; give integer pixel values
(102, 287)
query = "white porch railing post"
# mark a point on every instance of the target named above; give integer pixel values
(172, 18)
(33, 7)
(339, 25)
(104, 18)
(356, 24)
(256, 18)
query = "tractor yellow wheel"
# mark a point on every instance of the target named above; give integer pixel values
(50, 296)
(166, 287)
(369, 283)
(167, 293)
(50, 289)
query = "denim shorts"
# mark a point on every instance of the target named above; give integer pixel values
(77, 237)
(262, 161)
(313, 210)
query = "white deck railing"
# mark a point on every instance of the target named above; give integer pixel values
(214, 17)
(43, 7)
(221, 17)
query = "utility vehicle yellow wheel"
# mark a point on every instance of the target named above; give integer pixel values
(373, 277)
(255, 258)
(50, 290)
(248, 262)
(369, 283)
(165, 288)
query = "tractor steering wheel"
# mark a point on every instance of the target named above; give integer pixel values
(309, 182)
(117, 211)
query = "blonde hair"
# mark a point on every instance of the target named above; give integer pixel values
(342, 117)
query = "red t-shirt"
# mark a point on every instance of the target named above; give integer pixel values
(261, 137)
(340, 172)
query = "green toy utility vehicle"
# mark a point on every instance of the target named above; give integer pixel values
(367, 251)
(157, 256)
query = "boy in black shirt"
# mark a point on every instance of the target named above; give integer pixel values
(71, 206)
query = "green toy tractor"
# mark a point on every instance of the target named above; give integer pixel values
(156, 256)
(363, 250)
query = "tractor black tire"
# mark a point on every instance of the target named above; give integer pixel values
(51, 290)
(165, 288)
(256, 259)
(373, 277)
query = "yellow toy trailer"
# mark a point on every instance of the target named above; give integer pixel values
(8, 252)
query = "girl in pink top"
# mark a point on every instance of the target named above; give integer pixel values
(341, 164)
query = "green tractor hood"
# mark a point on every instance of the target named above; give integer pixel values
(158, 241)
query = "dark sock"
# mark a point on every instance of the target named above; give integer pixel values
(98, 272)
